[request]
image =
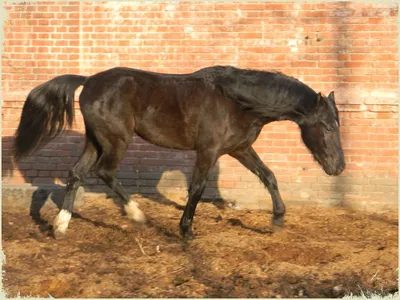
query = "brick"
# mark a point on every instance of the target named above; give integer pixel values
(356, 56)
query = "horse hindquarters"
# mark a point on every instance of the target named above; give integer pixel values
(109, 117)
(109, 129)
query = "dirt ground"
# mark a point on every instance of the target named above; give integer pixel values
(321, 252)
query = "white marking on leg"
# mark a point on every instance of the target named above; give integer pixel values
(61, 221)
(133, 212)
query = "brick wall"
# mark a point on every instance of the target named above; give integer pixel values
(347, 47)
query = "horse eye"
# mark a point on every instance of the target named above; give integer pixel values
(327, 127)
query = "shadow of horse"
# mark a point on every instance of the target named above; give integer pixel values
(61, 154)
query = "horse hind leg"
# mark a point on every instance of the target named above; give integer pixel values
(76, 176)
(106, 167)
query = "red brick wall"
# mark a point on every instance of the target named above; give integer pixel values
(350, 48)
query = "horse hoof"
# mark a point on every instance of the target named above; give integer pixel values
(187, 234)
(140, 218)
(59, 235)
(134, 213)
(278, 221)
(188, 237)
(60, 224)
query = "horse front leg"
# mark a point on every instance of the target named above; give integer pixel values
(204, 162)
(252, 162)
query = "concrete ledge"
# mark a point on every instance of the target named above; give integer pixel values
(37, 197)
(28, 196)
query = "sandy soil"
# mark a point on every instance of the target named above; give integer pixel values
(321, 252)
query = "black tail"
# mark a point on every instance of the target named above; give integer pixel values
(46, 111)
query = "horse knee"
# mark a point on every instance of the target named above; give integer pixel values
(197, 188)
(271, 179)
(74, 180)
(100, 173)
(106, 176)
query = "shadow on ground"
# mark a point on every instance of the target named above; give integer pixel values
(61, 154)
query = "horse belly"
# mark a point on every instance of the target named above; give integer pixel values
(165, 132)
(167, 114)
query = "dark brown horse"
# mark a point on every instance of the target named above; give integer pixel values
(214, 111)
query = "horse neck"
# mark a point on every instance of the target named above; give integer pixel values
(295, 115)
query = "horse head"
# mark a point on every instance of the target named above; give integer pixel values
(320, 133)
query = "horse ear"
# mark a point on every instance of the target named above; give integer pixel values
(319, 98)
(331, 96)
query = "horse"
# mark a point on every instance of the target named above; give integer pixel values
(215, 111)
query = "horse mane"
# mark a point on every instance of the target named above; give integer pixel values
(269, 93)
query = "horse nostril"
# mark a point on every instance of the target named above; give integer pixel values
(340, 170)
